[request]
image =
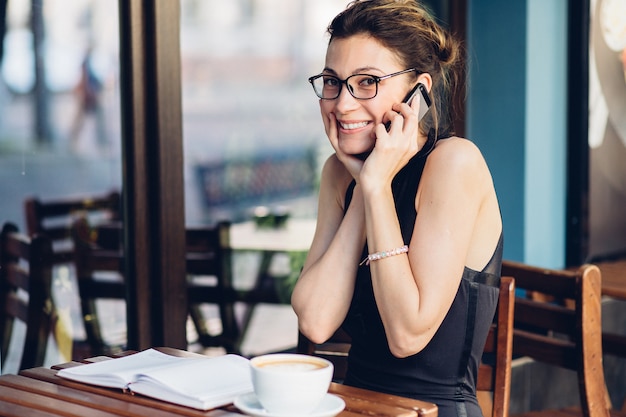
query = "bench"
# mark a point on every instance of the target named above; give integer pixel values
(231, 188)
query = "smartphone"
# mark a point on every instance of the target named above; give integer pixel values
(424, 97)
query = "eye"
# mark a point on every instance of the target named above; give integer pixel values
(367, 81)
(330, 81)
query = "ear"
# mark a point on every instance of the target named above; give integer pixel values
(427, 80)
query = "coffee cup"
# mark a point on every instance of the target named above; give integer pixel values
(290, 384)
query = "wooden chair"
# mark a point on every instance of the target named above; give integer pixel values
(99, 262)
(613, 270)
(25, 293)
(563, 328)
(54, 217)
(494, 373)
(98, 250)
(209, 272)
(216, 243)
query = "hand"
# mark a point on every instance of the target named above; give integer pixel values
(394, 148)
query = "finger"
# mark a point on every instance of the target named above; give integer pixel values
(409, 114)
(392, 117)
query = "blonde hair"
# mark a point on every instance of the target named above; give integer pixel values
(408, 29)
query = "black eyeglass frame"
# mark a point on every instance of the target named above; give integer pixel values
(376, 78)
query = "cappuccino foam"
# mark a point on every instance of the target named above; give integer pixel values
(292, 366)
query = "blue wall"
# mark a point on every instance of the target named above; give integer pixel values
(546, 126)
(496, 105)
(516, 114)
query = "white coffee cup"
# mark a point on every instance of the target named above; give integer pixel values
(289, 383)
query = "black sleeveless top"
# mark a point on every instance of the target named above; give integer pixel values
(445, 371)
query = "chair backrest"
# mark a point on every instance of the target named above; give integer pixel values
(54, 217)
(209, 271)
(494, 374)
(98, 249)
(25, 293)
(559, 323)
(99, 262)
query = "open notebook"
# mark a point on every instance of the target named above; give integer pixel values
(201, 383)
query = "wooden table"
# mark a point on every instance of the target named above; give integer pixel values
(39, 392)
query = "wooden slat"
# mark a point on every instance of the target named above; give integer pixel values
(26, 265)
(485, 381)
(378, 404)
(144, 406)
(58, 232)
(558, 283)
(547, 349)
(16, 307)
(541, 315)
(46, 404)
(18, 246)
(16, 276)
(17, 410)
(103, 289)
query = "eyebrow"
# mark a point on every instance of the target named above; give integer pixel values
(361, 70)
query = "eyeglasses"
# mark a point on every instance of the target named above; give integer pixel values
(360, 86)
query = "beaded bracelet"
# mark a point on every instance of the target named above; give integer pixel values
(380, 255)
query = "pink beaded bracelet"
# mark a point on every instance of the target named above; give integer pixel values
(380, 255)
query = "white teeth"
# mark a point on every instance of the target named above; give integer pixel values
(353, 125)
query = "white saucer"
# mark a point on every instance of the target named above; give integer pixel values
(248, 403)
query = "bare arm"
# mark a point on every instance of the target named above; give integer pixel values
(414, 292)
(322, 295)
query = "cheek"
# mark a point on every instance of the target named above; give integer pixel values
(379, 108)
(326, 107)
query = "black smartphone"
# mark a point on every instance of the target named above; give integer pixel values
(424, 97)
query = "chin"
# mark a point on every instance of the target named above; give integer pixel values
(359, 153)
(357, 150)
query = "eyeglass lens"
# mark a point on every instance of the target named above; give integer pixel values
(361, 86)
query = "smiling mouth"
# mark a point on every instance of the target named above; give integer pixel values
(351, 126)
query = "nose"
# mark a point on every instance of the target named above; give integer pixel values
(345, 101)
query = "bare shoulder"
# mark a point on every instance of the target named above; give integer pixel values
(334, 167)
(456, 150)
(457, 162)
(456, 156)
(335, 171)
(335, 180)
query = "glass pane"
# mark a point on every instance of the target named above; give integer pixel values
(60, 126)
(254, 142)
(245, 66)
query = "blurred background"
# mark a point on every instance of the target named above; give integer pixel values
(244, 69)
(245, 95)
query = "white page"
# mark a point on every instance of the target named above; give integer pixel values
(198, 383)
(119, 372)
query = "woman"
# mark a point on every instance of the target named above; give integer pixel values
(407, 251)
